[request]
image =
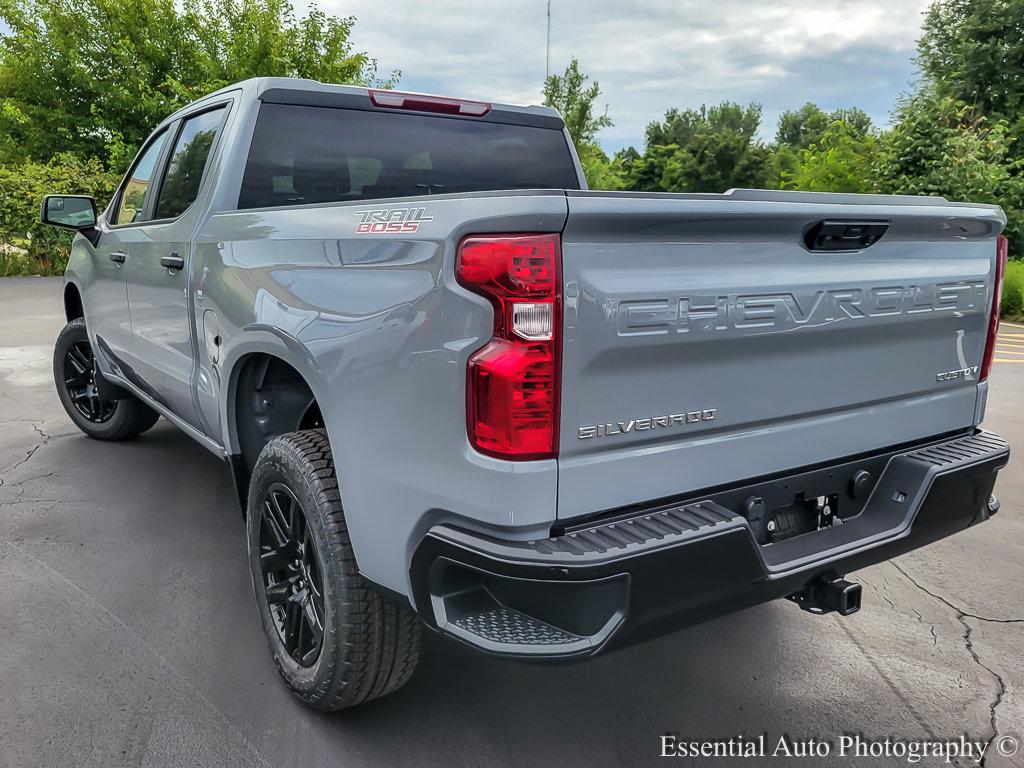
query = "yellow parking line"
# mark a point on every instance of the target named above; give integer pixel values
(1012, 325)
(1004, 360)
(1011, 343)
(1002, 351)
(1011, 335)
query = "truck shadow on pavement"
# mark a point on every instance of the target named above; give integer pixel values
(140, 547)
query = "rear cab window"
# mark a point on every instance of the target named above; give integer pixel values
(303, 154)
(187, 163)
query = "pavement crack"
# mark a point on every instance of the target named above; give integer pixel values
(950, 604)
(28, 456)
(44, 439)
(962, 616)
(931, 627)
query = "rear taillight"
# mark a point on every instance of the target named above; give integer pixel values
(1002, 253)
(512, 383)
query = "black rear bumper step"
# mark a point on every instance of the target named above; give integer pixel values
(659, 569)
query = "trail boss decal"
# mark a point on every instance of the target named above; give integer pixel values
(390, 220)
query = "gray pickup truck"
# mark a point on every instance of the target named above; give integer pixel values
(456, 388)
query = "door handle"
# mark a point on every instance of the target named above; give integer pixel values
(118, 257)
(173, 262)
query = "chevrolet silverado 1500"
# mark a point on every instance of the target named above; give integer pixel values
(456, 388)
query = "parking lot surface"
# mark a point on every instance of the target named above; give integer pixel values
(129, 636)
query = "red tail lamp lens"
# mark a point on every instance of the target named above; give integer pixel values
(512, 383)
(1002, 253)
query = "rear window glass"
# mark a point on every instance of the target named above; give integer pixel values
(302, 155)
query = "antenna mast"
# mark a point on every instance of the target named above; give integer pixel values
(547, 50)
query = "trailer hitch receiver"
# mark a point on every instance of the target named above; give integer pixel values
(828, 593)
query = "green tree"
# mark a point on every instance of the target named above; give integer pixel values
(973, 51)
(600, 171)
(962, 134)
(710, 149)
(941, 146)
(576, 102)
(93, 77)
(841, 159)
(800, 128)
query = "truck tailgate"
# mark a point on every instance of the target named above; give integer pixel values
(705, 343)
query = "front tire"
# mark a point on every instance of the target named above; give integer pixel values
(336, 642)
(74, 374)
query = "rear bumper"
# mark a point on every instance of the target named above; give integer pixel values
(657, 569)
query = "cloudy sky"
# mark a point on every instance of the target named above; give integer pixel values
(651, 55)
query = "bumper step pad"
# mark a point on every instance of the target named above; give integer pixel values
(499, 624)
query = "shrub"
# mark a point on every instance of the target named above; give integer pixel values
(1013, 290)
(26, 246)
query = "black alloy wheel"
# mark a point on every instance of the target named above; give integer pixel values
(80, 381)
(292, 575)
(336, 640)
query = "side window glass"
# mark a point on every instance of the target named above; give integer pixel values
(188, 160)
(132, 202)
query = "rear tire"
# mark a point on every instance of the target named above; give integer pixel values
(74, 374)
(336, 642)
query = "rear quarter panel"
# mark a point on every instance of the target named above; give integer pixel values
(382, 333)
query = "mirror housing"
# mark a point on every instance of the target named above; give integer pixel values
(77, 212)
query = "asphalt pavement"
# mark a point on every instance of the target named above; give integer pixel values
(129, 635)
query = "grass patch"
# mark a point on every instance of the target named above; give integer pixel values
(1012, 306)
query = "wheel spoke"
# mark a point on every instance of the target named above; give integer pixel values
(312, 619)
(295, 520)
(314, 574)
(274, 559)
(279, 592)
(79, 358)
(300, 634)
(281, 517)
(76, 364)
(78, 380)
(292, 623)
(274, 524)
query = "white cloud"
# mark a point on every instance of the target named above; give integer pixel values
(652, 55)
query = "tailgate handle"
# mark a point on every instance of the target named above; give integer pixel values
(839, 235)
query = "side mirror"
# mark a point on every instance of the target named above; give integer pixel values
(76, 212)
